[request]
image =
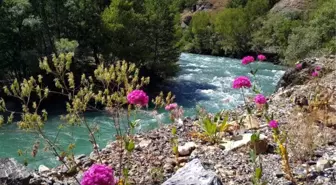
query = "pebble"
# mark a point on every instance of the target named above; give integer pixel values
(322, 164)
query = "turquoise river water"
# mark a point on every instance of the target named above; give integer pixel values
(203, 80)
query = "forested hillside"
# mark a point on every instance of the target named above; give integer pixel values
(289, 30)
(139, 31)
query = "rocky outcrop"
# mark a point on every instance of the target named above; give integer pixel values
(193, 173)
(300, 76)
(290, 6)
(13, 173)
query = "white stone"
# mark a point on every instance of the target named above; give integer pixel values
(143, 144)
(186, 149)
(193, 173)
(43, 169)
(322, 164)
(229, 145)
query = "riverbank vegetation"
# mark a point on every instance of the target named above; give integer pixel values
(252, 26)
(141, 32)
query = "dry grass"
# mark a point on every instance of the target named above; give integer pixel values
(311, 126)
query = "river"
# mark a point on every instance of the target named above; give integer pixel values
(203, 80)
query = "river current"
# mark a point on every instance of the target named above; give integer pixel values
(203, 80)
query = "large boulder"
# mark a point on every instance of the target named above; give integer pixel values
(193, 173)
(13, 173)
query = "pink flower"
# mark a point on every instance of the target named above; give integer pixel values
(241, 81)
(298, 66)
(273, 124)
(98, 175)
(260, 99)
(261, 57)
(315, 74)
(138, 97)
(248, 59)
(318, 68)
(171, 106)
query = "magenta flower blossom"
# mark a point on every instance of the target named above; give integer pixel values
(260, 99)
(241, 81)
(248, 59)
(298, 66)
(171, 107)
(261, 57)
(315, 74)
(138, 97)
(318, 68)
(273, 124)
(98, 175)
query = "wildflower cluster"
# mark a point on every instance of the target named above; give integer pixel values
(138, 97)
(241, 82)
(98, 174)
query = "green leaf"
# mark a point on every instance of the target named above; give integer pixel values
(254, 137)
(130, 145)
(258, 173)
(125, 172)
(175, 149)
(174, 131)
(209, 127)
(253, 156)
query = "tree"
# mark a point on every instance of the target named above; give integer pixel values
(273, 33)
(19, 50)
(144, 34)
(233, 27)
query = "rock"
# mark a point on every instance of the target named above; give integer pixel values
(229, 145)
(13, 173)
(168, 168)
(186, 149)
(182, 159)
(43, 169)
(35, 181)
(289, 7)
(322, 164)
(143, 144)
(193, 173)
(320, 180)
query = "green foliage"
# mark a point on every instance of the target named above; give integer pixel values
(247, 26)
(257, 8)
(213, 125)
(274, 32)
(143, 32)
(316, 36)
(237, 3)
(233, 27)
(65, 46)
(146, 33)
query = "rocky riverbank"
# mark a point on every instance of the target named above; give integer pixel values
(153, 162)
